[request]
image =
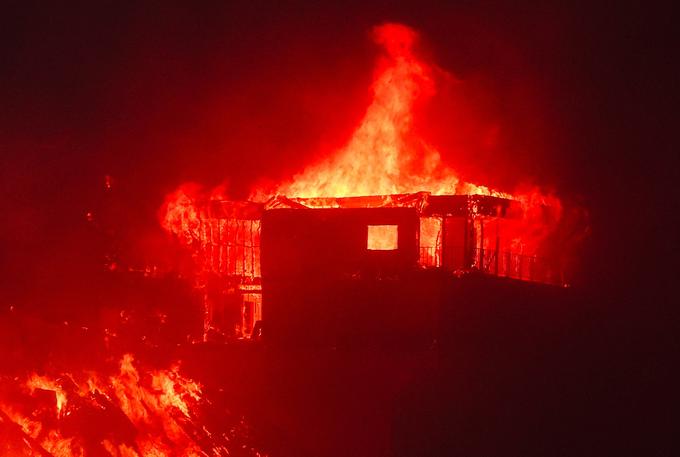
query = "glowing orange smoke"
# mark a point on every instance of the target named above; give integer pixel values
(384, 155)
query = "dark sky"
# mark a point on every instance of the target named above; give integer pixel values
(158, 95)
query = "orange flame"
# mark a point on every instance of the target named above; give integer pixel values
(179, 214)
(44, 383)
(159, 409)
(384, 155)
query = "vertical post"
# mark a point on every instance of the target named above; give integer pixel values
(205, 243)
(468, 236)
(481, 244)
(443, 244)
(252, 251)
(227, 236)
(207, 314)
(244, 241)
(223, 244)
(466, 241)
(213, 245)
(498, 248)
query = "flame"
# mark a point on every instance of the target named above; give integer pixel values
(134, 416)
(44, 383)
(384, 155)
(179, 213)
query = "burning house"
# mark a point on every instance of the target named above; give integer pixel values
(244, 247)
(383, 207)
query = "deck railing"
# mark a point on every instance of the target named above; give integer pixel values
(511, 265)
(506, 264)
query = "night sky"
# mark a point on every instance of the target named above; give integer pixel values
(234, 93)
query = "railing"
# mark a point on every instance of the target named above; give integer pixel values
(430, 256)
(511, 265)
(488, 261)
(230, 247)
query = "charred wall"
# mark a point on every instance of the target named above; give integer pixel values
(323, 286)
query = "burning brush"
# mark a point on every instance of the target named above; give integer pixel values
(123, 414)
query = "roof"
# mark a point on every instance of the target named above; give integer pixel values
(425, 204)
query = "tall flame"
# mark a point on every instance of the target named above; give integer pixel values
(384, 155)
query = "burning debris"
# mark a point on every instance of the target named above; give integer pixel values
(125, 413)
(114, 380)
